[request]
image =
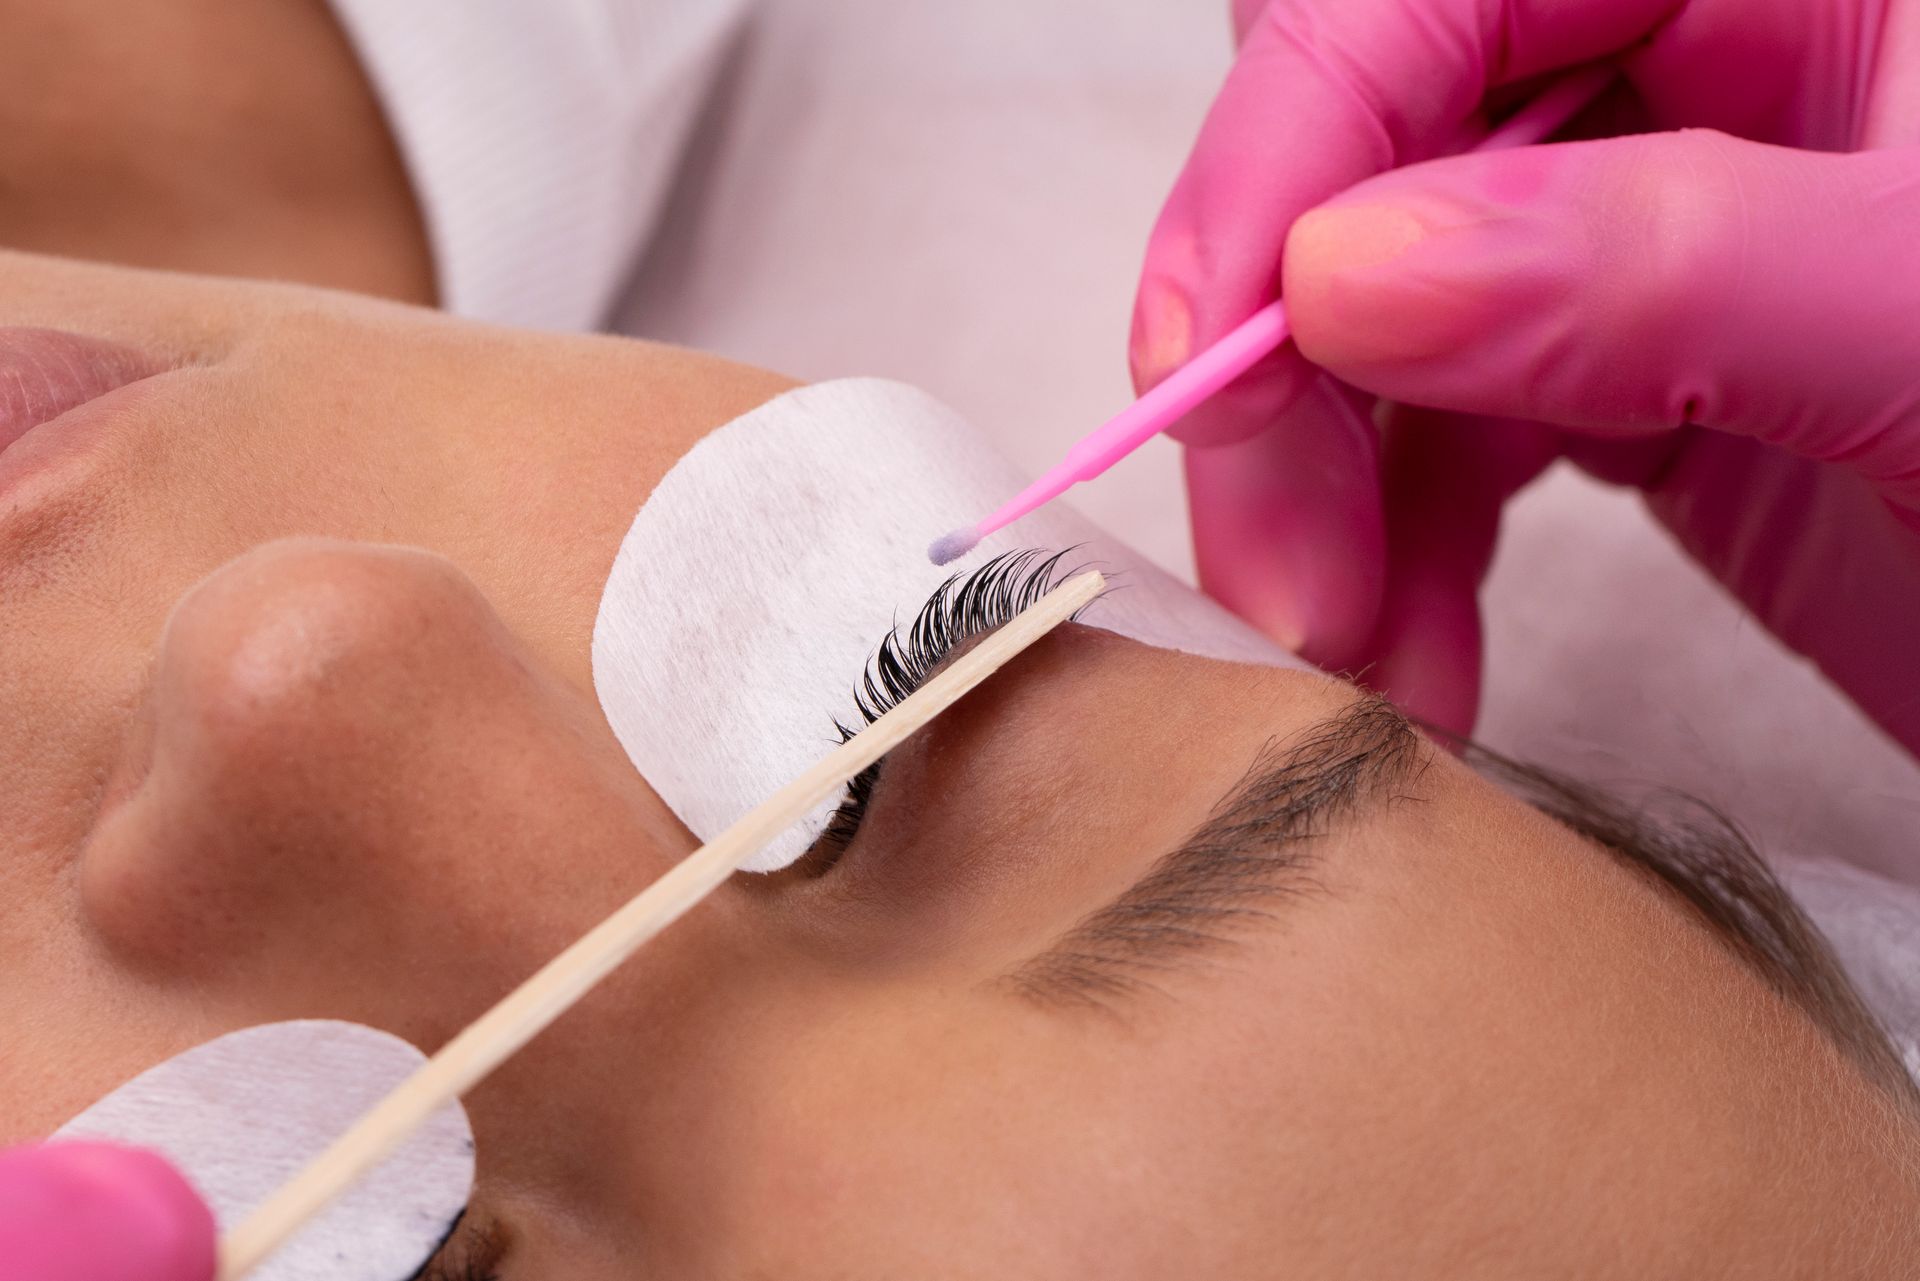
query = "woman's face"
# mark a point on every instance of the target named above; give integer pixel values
(296, 721)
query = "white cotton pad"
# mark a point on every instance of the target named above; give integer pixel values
(763, 569)
(244, 1113)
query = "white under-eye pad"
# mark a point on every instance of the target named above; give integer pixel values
(242, 1114)
(761, 572)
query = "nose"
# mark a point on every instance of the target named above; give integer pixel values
(349, 775)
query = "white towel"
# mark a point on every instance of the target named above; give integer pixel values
(541, 137)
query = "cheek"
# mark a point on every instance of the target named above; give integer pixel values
(982, 1141)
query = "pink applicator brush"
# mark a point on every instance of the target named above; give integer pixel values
(1212, 369)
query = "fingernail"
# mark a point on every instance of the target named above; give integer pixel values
(1163, 340)
(1272, 613)
(1162, 332)
(1345, 238)
(1284, 629)
(1381, 283)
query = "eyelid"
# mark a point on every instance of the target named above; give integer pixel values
(965, 607)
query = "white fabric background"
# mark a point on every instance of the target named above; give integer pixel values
(541, 136)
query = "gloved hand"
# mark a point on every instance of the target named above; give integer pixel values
(1727, 317)
(97, 1212)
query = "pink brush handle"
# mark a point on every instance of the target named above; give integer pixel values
(1170, 399)
(1254, 337)
(1148, 416)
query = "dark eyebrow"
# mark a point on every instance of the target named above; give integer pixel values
(1251, 854)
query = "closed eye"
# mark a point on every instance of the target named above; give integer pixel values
(961, 608)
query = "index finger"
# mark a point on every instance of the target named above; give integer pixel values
(1323, 94)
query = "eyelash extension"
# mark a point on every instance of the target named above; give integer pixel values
(961, 608)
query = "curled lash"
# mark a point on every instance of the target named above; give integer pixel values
(963, 607)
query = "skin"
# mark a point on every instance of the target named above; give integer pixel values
(298, 723)
(296, 720)
(205, 136)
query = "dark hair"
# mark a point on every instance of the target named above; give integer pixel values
(1703, 857)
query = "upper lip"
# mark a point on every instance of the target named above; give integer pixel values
(46, 372)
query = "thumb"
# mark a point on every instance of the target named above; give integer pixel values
(1633, 284)
(98, 1212)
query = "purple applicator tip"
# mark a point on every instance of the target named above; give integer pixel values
(951, 547)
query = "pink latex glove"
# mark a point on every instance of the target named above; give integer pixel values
(97, 1212)
(1727, 317)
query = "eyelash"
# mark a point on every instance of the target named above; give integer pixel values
(963, 607)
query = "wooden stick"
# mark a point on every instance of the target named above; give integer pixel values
(496, 1035)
